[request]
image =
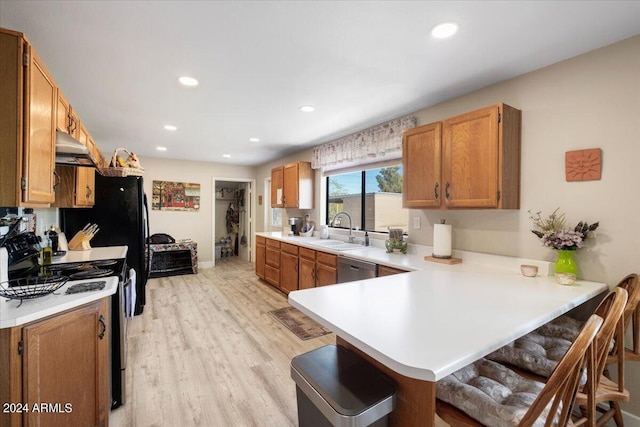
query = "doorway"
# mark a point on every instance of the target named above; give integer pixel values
(232, 218)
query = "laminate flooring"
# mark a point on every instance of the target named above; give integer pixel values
(205, 352)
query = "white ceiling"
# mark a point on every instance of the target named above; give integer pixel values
(359, 63)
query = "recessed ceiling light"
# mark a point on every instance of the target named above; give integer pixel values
(254, 139)
(444, 30)
(307, 108)
(226, 156)
(188, 81)
(161, 148)
(170, 127)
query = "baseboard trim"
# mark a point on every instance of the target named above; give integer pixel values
(630, 420)
(205, 264)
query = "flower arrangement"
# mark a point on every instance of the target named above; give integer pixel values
(554, 234)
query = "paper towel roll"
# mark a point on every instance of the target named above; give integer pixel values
(442, 240)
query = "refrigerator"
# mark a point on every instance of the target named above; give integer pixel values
(121, 212)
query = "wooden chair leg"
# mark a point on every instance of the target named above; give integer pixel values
(617, 415)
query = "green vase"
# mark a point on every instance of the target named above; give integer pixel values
(566, 268)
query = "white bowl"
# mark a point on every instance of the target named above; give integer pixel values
(529, 270)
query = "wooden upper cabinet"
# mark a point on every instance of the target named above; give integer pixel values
(292, 186)
(27, 124)
(421, 157)
(277, 187)
(66, 117)
(298, 185)
(479, 161)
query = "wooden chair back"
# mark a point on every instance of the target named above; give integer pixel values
(611, 310)
(620, 352)
(562, 386)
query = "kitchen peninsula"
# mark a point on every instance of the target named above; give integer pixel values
(421, 326)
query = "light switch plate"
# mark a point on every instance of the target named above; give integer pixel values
(416, 223)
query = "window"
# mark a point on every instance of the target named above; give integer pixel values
(372, 197)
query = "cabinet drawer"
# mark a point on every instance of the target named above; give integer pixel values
(272, 257)
(327, 259)
(289, 248)
(272, 275)
(260, 240)
(273, 244)
(309, 254)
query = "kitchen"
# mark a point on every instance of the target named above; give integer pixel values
(585, 102)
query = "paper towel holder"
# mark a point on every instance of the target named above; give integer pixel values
(443, 259)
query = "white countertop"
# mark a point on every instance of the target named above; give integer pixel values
(428, 324)
(12, 313)
(414, 260)
(437, 318)
(93, 254)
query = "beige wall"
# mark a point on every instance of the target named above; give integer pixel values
(189, 225)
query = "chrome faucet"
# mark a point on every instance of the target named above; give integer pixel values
(351, 236)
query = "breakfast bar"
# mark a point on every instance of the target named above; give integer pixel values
(421, 326)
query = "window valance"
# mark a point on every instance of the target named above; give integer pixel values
(366, 146)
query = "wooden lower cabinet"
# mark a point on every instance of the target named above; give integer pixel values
(58, 369)
(261, 248)
(272, 263)
(383, 270)
(317, 268)
(288, 268)
(307, 269)
(326, 269)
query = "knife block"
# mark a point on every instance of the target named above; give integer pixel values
(80, 242)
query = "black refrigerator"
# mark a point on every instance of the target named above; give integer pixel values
(121, 212)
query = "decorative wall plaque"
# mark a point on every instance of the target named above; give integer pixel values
(583, 165)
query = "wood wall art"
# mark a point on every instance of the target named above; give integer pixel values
(175, 196)
(583, 165)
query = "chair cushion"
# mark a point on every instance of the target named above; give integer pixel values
(490, 393)
(541, 350)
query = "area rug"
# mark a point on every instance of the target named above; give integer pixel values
(302, 326)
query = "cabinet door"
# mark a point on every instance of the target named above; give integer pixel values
(306, 274)
(421, 167)
(63, 113)
(470, 159)
(291, 185)
(39, 140)
(277, 184)
(82, 190)
(260, 254)
(289, 272)
(326, 275)
(383, 270)
(65, 362)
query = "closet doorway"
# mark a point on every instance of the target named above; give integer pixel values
(233, 216)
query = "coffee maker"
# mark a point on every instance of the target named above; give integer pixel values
(296, 226)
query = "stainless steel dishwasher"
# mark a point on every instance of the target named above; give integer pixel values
(350, 269)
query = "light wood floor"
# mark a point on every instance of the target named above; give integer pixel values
(206, 353)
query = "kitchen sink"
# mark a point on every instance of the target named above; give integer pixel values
(336, 245)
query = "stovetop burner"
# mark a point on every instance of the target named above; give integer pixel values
(63, 267)
(85, 287)
(91, 273)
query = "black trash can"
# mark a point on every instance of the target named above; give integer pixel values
(336, 387)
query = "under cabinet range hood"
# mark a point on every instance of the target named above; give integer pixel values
(71, 152)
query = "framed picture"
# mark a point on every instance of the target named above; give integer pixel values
(175, 196)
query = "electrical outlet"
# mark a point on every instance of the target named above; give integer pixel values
(416, 223)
